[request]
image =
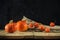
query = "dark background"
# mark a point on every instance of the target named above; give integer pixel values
(43, 11)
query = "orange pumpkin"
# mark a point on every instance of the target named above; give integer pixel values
(22, 26)
(10, 27)
(52, 24)
(36, 24)
(41, 27)
(47, 29)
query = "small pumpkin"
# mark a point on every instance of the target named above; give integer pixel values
(10, 27)
(22, 25)
(47, 29)
(41, 27)
(36, 24)
(52, 24)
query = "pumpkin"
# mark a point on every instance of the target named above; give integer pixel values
(22, 25)
(41, 27)
(10, 27)
(36, 24)
(52, 24)
(47, 29)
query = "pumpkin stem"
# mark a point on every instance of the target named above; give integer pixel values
(10, 21)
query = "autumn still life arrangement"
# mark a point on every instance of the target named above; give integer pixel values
(26, 25)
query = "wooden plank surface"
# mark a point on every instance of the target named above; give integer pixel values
(15, 35)
(3, 33)
(35, 35)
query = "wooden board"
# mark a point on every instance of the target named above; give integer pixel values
(39, 35)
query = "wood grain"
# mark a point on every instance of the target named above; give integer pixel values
(35, 35)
